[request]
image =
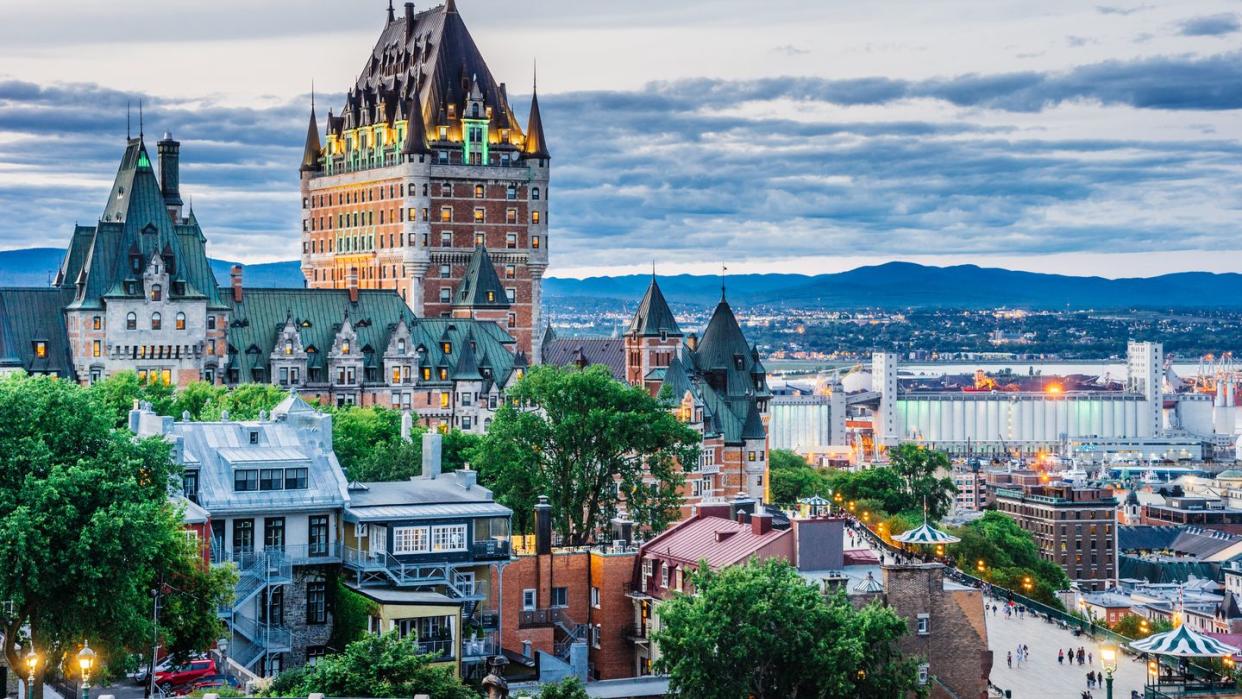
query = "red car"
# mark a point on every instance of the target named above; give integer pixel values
(186, 673)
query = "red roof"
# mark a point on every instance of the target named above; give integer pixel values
(717, 540)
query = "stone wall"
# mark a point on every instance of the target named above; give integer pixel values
(955, 642)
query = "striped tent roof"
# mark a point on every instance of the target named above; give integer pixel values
(926, 534)
(869, 584)
(1183, 642)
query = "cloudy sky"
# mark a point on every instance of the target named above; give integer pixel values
(776, 135)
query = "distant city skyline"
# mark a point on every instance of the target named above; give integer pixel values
(780, 136)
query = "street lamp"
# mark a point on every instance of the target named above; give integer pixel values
(1027, 585)
(86, 658)
(1153, 671)
(1108, 658)
(32, 661)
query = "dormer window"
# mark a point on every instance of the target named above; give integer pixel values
(40, 349)
(426, 373)
(447, 347)
(491, 296)
(288, 348)
(157, 292)
(345, 347)
(443, 374)
(401, 346)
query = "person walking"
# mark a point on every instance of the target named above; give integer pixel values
(1060, 657)
(1090, 659)
(1009, 659)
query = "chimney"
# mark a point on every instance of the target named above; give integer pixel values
(465, 477)
(761, 523)
(407, 425)
(409, 20)
(353, 285)
(170, 176)
(543, 526)
(235, 278)
(431, 453)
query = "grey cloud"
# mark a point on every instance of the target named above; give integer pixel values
(671, 170)
(1211, 25)
(1123, 11)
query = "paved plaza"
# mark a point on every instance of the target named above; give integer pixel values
(1041, 675)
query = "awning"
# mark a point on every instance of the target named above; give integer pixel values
(1184, 642)
(926, 534)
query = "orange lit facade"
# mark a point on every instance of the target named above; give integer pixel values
(426, 163)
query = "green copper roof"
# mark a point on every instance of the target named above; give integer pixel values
(654, 318)
(30, 316)
(481, 287)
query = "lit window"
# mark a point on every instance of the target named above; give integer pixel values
(534, 217)
(97, 322)
(478, 191)
(511, 241)
(40, 349)
(511, 216)
(180, 320)
(480, 239)
(510, 271)
(345, 347)
(96, 348)
(478, 215)
(157, 292)
(534, 242)
(288, 348)
(446, 213)
(447, 347)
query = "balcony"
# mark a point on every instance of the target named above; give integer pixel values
(534, 618)
(481, 647)
(490, 549)
(636, 633)
(441, 649)
(489, 618)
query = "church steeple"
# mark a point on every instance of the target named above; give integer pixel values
(310, 155)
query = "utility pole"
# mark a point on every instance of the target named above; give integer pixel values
(155, 641)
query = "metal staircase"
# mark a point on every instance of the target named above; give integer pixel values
(257, 572)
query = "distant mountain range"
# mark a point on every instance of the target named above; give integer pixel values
(892, 285)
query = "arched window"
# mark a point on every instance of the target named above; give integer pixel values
(534, 193)
(131, 321)
(401, 346)
(155, 321)
(181, 321)
(157, 292)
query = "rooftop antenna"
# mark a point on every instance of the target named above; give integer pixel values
(128, 129)
(653, 269)
(723, 270)
(140, 119)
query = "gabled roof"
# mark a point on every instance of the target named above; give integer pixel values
(570, 351)
(415, 129)
(29, 316)
(718, 541)
(481, 287)
(654, 318)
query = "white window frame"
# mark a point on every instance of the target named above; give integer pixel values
(664, 575)
(924, 624)
(448, 537)
(924, 673)
(595, 597)
(529, 600)
(407, 540)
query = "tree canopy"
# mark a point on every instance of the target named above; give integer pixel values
(918, 467)
(87, 530)
(374, 666)
(793, 479)
(1009, 555)
(203, 401)
(575, 435)
(759, 630)
(368, 444)
(568, 688)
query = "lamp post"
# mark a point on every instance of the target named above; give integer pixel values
(223, 646)
(86, 658)
(32, 661)
(1027, 585)
(1108, 658)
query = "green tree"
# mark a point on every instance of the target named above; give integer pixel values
(1009, 555)
(118, 392)
(198, 399)
(586, 432)
(568, 688)
(918, 467)
(245, 402)
(879, 489)
(759, 630)
(1134, 627)
(191, 594)
(793, 479)
(358, 433)
(86, 526)
(379, 666)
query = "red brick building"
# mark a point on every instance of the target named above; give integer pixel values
(425, 163)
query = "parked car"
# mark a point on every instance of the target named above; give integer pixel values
(212, 682)
(186, 673)
(143, 675)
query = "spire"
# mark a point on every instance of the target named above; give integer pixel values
(392, 13)
(450, 7)
(415, 130)
(654, 317)
(139, 120)
(310, 155)
(129, 130)
(481, 287)
(536, 142)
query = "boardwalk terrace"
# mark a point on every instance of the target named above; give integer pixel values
(1076, 528)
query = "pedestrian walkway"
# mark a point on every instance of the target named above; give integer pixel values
(1041, 675)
